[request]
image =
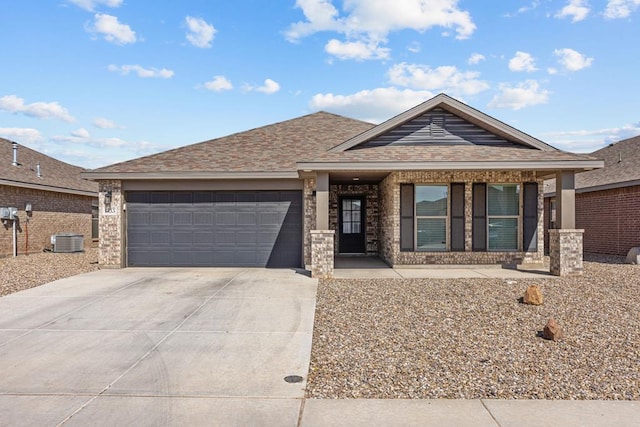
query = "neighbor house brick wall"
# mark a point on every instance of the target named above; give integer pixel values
(111, 253)
(610, 219)
(371, 223)
(390, 217)
(52, 213)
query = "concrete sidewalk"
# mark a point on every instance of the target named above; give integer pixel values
(369, 267)
(471, 413)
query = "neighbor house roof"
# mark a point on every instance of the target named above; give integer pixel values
(621, 168)
(54, 175)
(324, 141)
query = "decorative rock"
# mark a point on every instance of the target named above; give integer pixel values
(552, 331)
(533, 295)
(633, 257)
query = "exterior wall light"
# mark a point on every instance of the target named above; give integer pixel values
(107, 201)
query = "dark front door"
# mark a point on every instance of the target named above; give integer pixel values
(351, 225)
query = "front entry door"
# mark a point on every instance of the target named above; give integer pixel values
(352, 233)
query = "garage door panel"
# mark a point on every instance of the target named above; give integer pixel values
(214, 228)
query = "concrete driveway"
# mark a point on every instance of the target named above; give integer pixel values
(157, 347)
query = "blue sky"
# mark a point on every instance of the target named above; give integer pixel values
(94, 82)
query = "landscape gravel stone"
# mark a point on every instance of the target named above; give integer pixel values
(26, 271)
(474, 338)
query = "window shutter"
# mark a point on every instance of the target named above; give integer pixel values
(457, 217)
(530, 217)
(406, 217)
(479, 217)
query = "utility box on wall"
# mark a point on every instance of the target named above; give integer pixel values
(8, 213)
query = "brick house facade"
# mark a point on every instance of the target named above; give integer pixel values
(441, 183)
(60, 201)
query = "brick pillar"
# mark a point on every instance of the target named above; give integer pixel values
(565, 252)
(322, 253)
(110, 223)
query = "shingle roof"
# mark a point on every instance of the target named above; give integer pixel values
(436, 153)
(55, 175)
(621, 166)
(272, 148)
(316, 141)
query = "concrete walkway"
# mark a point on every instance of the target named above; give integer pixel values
(471, 413)
(361, 267)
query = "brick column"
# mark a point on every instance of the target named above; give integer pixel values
(322, 253)
(110, 223)
(565, 252)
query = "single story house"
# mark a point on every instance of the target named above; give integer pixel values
(607, 200)
(49, 197)
(441, 183)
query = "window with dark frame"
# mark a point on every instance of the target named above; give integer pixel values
(431, 206)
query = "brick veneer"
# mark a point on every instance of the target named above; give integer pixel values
(372, 229)
(309, 217)
(111, 253)
(611, 220)
(322, 253)
(390, 218)
(53, 213)
(565, 252)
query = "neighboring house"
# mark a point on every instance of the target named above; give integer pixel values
(607, 200)
(441, 183)
(60, 201)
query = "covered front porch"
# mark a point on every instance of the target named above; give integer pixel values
(477, 218)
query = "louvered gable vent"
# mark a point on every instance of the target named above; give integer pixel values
(438, 127)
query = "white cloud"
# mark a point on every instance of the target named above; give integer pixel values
(576, 9)
(374, 105)
(91, 5)
(552, 70)
(620, 8)
(112, 30)
(81, 133)
(40, 110)
(572, 60)
(475, 58)
(269, 87)
(591, 140)
(525, 94)
(523, 61)
(103, 123)
(22, 135)
(141, 71)
(358, 50)
(200, 33)
(414, 47)
(218, 84)
(94, 142)
(523, 9)
(440, 79)
(370, 21)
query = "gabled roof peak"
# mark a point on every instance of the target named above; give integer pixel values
(453, 106)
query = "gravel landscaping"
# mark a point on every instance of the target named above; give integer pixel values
(28, 271)
(472, 338)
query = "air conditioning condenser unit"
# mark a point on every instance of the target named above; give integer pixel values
(67, 242)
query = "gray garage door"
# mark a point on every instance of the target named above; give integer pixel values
(214, 228)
